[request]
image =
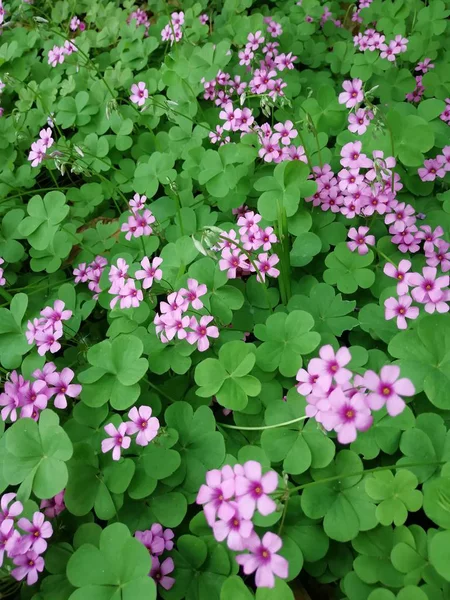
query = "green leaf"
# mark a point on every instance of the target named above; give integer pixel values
(45, 216)
(285, 339)
(396, 495)
(440, 553)
(436, 501)
(347, 270)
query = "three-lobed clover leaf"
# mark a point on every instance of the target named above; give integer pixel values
(35, 456)
(348, 270)
(117, 567)
(45, 216)
(116, 368)
(396, 494)
(13, 343)
(285, 339)
(227, 377)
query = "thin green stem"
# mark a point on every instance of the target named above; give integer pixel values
(6, 295)
(159, 390)
(283, 235)
(285, 424)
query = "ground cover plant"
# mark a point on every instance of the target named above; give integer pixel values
(224, 273)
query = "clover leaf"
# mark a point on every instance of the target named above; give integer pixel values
(35, 456)
(13, 343)
(157, 169)
(10, 249)
(410, 555)
(299, 446)
(227, 377)
(436, 500)
(343, 503)
(44, 218)
(115, 372)
(396, 495)
(373, 563)
(347, 270)
(285, 339)
(424, 355)
(327, 308)
(117, 568)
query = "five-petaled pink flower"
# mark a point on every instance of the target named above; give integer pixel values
(117, 440)
(236, 530)
(28, 565)
(401, 309)
(387, 389)
(193, 293)
(266, 266)
(160, 572)
(201, 332)
(149, 271)
(360, 240)
(252, 489)
(331, 366)
(401, 274)
(139, 93)
(263, 559)
(347, 415)
(215, 495)
(143, 424)
(63, 387)
(353, 93)
(37, 532)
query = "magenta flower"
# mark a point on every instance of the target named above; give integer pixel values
(267, 237)
(139, 93)
(201, 332)
(307, 380)
(401, 309)
(360, 240)
(401, 274)
(175, 324)
(266, 266)
(428, 288)
(175, 301)
(352, 157)
(424, 65)
(359, 121)
(263, 559)
(137, 203)
(53, 506)
(8, 510)
(243, 119)
(56, 315)
(10, 404)
(37, 153)
(439, 256)
(193, 293)
(228, 115)
(166, 534)
(62, 386)
(231, 261)
(143, 424)
(331, 366)
(9, 540)
(216, 495)
(235, 530)
(255, 40)
(387, 389)
(117, 440)
(34, 399)
(160, 572)
(430, 237)
(284, 61)
(433, 167)
(401, 217)
(353, 93)
(28, 565)
(149, 271)
(45, 136)
(37, 532)
(203, 19)
(285, 132)
(270, 150)
(153, 543)
(347, 415)
(252, 489)
(248, 223)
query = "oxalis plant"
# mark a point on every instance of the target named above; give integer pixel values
(224, 339)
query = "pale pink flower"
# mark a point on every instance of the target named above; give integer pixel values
(117, 439)
(193, 293)
(62, 386)
(387, 389)
(36, 533)
(216, 495)
(28, 565)
(252, 489)
(266, 266)
(360, 240)
(201, 332)
(331, 366)
(352, 94)
(400, 309)
(263, 559)
(347, 415)
(139, 93)
(401, 274)
(149, 271)
(143, 424)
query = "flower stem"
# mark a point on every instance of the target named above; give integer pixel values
(265, 426)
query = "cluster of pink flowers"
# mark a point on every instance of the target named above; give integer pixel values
(251, 238)
(140, 17)
(2, 278)
(123, 287)
(158, 540)
(39, 148)
(57, 55)
(372, 40)
(47, 330)
(21, 540)
(140, 221)
(31, 397)
(352, 97)
(436, 167)
(427, 288)
(230, 498)
(139, 93)
(141, 423)
(356, 17)
(418, 91)
(92, 273)
(341, 401)
(53, 506)
(172, 31)
(77, 23)
(173, 322)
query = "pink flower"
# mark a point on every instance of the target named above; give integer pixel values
(137, 202)
(307, 380)
(9, 540)
(216, 494)
(270, 150)
(430, 237)
(55, 315)
(45, 136)
(331, 366)
(203, 19)
(353, 93)
(249, 222)
(284, 61)
(252, 489)
(286, 132)
(228, 115)
(263, 559)
(37, 153)
(439, 256)
(80, 273)
(352, 157)
(428, 288)
(267, 237)
(201, 332)
(401, 217)
(433, 167)
(28, 565)
(245, 56)
(34, 399)
(153, 543)
(400, 274)
(143, 424)
(235, 530)
(160, 572)
(175, 301)
(387, 389)
(166, 534)
(359, 121)
(266, 266)
(38, 531)
(55, 56)
(139, 93)
(401, 309)
(175, 324)
(425, 65)
(347, 415)
(62, 386)
(243, 119)
(193, 293)
(149, 272)
(255, 40)
(54, 506)
(231, 261)
(360, 240)
(117, 440)
(8, 510)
